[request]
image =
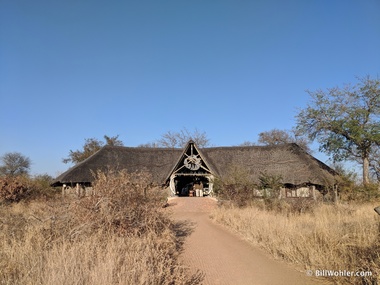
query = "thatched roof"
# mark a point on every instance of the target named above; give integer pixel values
(289, 160)
(158, 161)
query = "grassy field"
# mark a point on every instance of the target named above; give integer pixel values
(327, 237)
(118, 236)
(121, 235)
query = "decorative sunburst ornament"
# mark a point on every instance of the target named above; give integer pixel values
(192, 161)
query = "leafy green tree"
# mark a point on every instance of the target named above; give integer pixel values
(345, 121)
(91, 146)
(14, 163)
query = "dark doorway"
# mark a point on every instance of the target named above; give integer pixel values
(185, 184)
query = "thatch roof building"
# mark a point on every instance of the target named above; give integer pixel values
(178, 168)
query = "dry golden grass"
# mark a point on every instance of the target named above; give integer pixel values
(331, 237)
(118, 236)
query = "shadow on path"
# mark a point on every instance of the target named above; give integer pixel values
(183, 229)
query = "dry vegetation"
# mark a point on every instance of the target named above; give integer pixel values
(327, 237)
(118, 236)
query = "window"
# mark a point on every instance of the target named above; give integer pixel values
(301, 192)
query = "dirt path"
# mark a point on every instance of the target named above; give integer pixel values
(223, 256)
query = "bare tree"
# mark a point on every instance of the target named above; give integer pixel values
(170, 140)
(248, 143)
(149, 144)
(14, 163)
(180, 139)
(278, 137)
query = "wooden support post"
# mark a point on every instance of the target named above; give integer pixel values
(78, 189)
(336, 198)
(210, 185)
(172, 185)
(313, 192)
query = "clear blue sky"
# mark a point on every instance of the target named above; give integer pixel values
(71, 70)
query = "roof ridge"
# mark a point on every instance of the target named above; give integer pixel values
(284, 145)
(203, 148)
(140, 147)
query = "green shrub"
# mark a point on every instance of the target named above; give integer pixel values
(360, 193)
(236, 186)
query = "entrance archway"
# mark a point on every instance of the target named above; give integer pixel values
(191, 174)
(182, 184)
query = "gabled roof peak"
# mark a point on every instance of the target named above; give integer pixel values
(191, 159)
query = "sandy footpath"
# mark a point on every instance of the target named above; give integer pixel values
(223, 256)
